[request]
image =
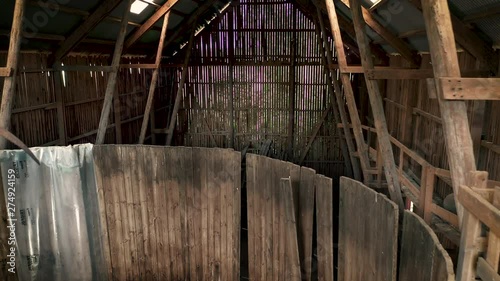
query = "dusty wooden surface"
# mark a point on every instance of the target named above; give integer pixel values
(422, 257)
(368, 234)
(171, 213)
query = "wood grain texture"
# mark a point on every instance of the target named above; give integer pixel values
(368, 236)
(324, 227)
(469, 88)
(421, 252)
(171, 213)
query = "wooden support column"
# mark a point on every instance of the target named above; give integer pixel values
(173, 118)
(348, 91)
(352, 167)
(111, 87)
(117, 115)
(384, 141)
(291, 98)
(61, 108)
(454, 113)
(470, 231)
(154, 80)
(231, 77)
(9, 85)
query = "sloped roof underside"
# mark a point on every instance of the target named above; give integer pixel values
(398, 16)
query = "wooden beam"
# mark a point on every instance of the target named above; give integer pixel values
(453, 113)
(83, 29)
(493, 252)
(177, 104)
(397, 43)
(314, 134)
(191, 21)
(111, 87)
(291, 98)
(485, 271)
(149, 23)
(6, 71)
(348, 91)
(469, 40)
(231, 76)
(480, 208)
(469, 88)
(154, 80)
(377, 107)
(471, 226)
(346, 138)
(486, 12)
(9, 85)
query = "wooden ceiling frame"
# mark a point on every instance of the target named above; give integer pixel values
(149, 23)
(83, 29)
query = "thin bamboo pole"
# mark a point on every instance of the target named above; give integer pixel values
(111, 87)
(170, 132)
(154, 80)
(9, 86)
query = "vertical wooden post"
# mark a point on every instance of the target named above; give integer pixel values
(9, 88)
(9, 85)
(349, 93)
(471, 230)
(291, 99)
(61, 108)
(231, 76)
(154, 80)
(377, 107)
(118, 118)
(111, 87)
(170, 132)
(453, 113)
(352, 167)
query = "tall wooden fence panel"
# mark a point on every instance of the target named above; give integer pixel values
(368, 234)
(170, 213)
(422, 256)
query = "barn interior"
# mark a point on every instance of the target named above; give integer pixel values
(250, 140)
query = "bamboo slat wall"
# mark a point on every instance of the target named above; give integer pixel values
(35, 117)
(249, 53)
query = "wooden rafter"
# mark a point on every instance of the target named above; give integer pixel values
(394, 41)
(149, 23)
(362, 147)
(470, 41)
(189, 23)
(154, 79)
(83, 29)
(486, 12)
(111, 86)
(375, 97)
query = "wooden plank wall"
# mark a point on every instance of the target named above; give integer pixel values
(261, 60)
(35, 119)
(171, 213)
(267, 235)
(368, 234)
(422, 256)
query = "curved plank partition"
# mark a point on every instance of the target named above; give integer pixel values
(171, 213)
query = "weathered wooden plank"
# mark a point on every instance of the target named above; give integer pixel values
(305, 211)
(481, 209)
(111, 85)
(154, 80)
(377, 107)
(83, 29)
(418, 257)
(324, 227)
(292, 246)
(469, 88)
(485, 271)
(6, 71)
(150, 22)
(493, 252)
(373, 228)
(471, 225)
(454, 113)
